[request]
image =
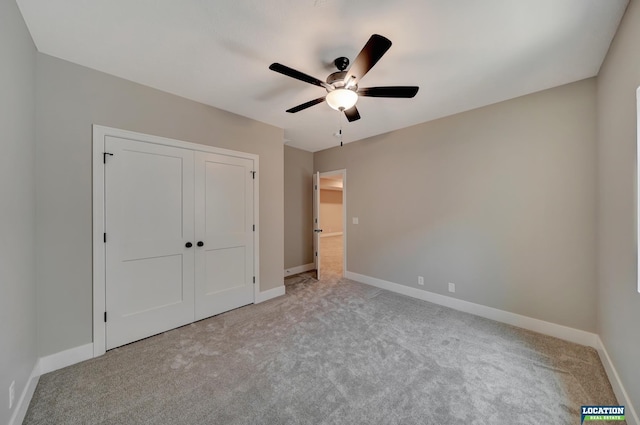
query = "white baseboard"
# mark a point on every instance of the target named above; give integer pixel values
(66, 358)
(621, 394)
(269, 294)
(45, 365)
(559, 331)
(324, 235)
(25, 398)
(299, 269)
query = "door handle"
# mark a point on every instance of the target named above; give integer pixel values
(318, 230)
(200, 243)
(188, 244)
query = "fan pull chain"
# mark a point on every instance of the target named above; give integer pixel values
(340, 131)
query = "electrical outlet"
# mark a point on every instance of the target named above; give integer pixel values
(12, 393)
(355, 220)
(420, 280)
(452, 287)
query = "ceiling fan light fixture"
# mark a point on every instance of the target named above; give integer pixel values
(342, 99)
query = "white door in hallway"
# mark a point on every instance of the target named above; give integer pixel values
(224, 262)
(316, 222)
(149, 219)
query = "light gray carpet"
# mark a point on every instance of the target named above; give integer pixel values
(331, 352)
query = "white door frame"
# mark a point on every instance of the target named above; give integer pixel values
(99, 268)
(316, 223)
(343, 172)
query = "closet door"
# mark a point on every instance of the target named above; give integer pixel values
(149, 213)
(224, 228)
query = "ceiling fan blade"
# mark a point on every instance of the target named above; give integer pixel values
(389, 91)
(290, 72)
(352, 114)
(370, 54)
(305, 105)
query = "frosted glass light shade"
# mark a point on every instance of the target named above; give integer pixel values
(342, 99)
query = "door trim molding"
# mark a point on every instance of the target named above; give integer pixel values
(98, 219)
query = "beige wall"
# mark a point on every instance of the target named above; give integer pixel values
(71, 98)
(498, 200)
(298, 197)
(331, 211)
(18, 349)
(618, 299)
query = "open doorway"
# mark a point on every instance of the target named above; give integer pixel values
(332, 222)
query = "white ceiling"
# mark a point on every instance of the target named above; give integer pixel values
(463, 54)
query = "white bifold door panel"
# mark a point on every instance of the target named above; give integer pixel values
(224, 218)
(179, 237)
(149, 218)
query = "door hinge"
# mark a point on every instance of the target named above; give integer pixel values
(254, 227)
(104, 156)
(254, 279)
(104, 237)
(105, 317)
(316, 253)
(253, 173)
(316, 187)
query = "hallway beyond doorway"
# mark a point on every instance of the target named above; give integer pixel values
(331, 250)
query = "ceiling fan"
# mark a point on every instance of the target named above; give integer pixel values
(342, 86)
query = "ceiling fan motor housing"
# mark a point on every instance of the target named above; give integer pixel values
(336, 78)
(337, 81)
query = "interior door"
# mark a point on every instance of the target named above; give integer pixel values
(149, 221)
(224, 260)
(316, 222)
